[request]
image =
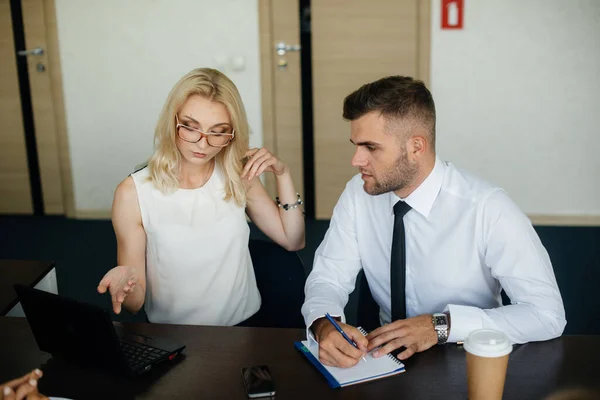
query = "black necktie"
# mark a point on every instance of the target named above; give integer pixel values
(398, 263)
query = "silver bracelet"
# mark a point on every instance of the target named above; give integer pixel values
(288, 207)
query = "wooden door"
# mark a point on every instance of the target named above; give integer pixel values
(39, 26)
(281, 91)
(356, 42)
(34, 21)
(15, 191)
(353, 42)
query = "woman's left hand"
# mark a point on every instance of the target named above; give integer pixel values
(262, 160)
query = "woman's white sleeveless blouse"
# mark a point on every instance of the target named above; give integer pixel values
(198, 266)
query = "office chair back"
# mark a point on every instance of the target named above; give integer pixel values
(368, 310)
(280, 279)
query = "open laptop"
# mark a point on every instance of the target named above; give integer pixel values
(69, 329)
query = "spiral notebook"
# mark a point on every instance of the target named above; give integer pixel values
(364, 371)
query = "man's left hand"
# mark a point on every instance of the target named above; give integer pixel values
(416, 334)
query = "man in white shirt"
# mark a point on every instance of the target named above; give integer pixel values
(458, 240)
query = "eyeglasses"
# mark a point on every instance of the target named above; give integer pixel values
(193, 135)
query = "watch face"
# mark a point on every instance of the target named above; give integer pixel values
(440, 320)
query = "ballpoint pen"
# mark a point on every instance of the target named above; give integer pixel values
(340, 330)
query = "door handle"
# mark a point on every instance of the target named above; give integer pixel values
(283, 48)
(38, 51)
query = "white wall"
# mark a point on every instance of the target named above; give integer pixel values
(518, 99)
(120, 59)
(517, 91)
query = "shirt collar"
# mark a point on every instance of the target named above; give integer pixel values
(423, 197)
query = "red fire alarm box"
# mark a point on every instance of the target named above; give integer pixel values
(452, 14)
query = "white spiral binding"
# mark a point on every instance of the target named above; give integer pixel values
(390, 355)
(394, 359)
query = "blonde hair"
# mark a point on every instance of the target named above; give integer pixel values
(165, 162)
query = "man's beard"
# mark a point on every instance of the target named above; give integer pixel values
(401, 176)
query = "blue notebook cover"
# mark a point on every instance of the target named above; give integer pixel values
(364, 371)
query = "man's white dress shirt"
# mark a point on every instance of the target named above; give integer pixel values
(465, 241)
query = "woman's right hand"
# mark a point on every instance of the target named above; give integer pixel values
(120, 282)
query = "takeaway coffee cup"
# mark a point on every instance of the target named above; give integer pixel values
(487, 359)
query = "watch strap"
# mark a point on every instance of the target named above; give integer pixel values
(441, 329)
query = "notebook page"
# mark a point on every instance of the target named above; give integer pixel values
(364, 370)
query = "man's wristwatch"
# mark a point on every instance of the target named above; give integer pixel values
(441, 326)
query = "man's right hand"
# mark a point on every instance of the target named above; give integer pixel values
(334, 350)
(120, 282)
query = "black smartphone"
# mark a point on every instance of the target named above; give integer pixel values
(258, 381)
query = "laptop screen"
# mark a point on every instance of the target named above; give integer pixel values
(67, 328)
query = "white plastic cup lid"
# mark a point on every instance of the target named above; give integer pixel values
(488, 343)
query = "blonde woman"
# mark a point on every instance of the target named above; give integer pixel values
(180, 223)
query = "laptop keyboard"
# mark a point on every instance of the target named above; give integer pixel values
(139, 355)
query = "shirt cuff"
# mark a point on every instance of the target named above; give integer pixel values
(463, 321)
(315, 315)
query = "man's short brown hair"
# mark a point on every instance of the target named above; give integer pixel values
(394, 97)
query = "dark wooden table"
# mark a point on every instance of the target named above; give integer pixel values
(211, 368)
(28, 273)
